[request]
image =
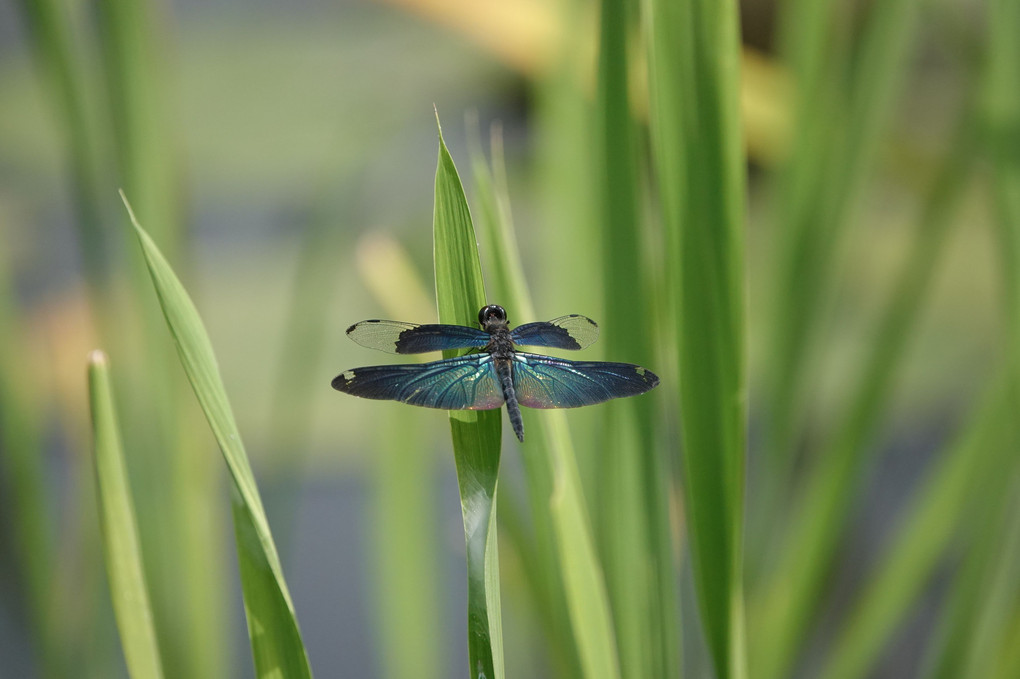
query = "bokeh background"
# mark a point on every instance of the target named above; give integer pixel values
(282, 155)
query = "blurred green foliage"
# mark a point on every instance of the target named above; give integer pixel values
(813, 237)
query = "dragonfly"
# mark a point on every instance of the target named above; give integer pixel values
(494, 373)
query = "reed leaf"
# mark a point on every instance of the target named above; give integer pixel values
(577, 582)
(407, 558)
(633, 469)
(698, 152)
(120, 531)
(845, 95)
(818, 517)
(23, 481)
(272, 625)
(460, 293)
(921, 542)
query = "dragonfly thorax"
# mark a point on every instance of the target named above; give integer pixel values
(501, 344)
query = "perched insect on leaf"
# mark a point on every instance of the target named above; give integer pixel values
(495, 373)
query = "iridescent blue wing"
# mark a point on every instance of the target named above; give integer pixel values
(464, 383)
(565, 332)
(398, 337)
(547, 382)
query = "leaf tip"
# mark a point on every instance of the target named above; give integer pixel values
(130, 211)
(98, 359)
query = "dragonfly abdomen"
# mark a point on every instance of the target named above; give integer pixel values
(506, 381)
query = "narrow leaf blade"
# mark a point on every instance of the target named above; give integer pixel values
(554, 485)
(121, 547)
(634, 533)
(698, 146)
(460, 293)
(272, 624)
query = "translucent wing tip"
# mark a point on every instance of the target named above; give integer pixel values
(355, 326)
(590, 322)
(594, 328)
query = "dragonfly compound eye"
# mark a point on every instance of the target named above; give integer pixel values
(492, 312)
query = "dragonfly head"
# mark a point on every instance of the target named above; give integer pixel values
(492, 316)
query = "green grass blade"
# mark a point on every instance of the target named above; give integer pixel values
(52, 28)
(988, 589)
(815, 51)
(565, 170)
(187, 571)
(23, 482)
(1008, 666)
(498, 242)
(303, 340)
(141, 117)
(120, 532)
(998, 602)
(916, 548)
(272, 624)
(460, 293)
(791, 595)
(508, 287)
(633, 469)
(403, 497)
(702, 161)
(557, 501)
(984, 589)
(1001, 109)
(583, 579)
(838, 139)
(625, 310)
(406, 567)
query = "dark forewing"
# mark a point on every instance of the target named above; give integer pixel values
(565, 332)
(464, 383)
(546, 382)
(398, 337)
